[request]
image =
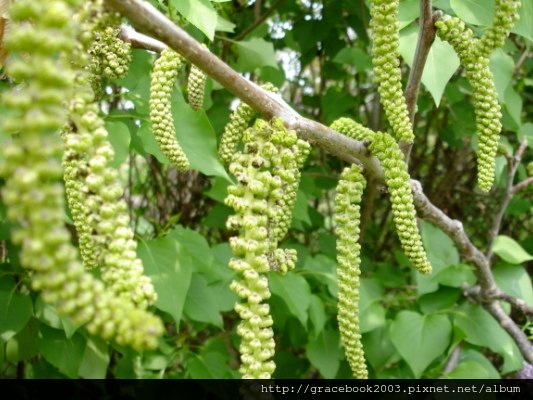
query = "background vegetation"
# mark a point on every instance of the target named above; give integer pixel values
(317, 52)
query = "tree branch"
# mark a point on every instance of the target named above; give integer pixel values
(426, 37)
(147, 18)
(140, 41)
(512, 329)
(454, 229)
(519, 304)
(474, 292)
(487, 285)
(522, 185)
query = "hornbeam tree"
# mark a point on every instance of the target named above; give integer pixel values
(227, 189)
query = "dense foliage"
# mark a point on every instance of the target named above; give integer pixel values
(215, 244)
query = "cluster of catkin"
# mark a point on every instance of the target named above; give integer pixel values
(53, 71)
(267, 171)
(474, 56)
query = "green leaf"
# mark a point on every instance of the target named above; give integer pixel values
(23, 345)
(198, 368)
(295, 292)
(138, 81)
(409, 11)
(119, 136)
(420, 339)
(218, 190)
(16, 310)
(149, 143)
(514, 280)
(526, 131)
(477, 12)
(301, 208)
(223, 25)
(372, 313)
(471, 370)
(197, 138)
(379, 350)
(354, 56)
(317, 316)
(441, 64)
(335, 103)
(95, 360)
(202, 304)
(502, 67)
(289, 365)
(524, 24)
(440, 248)
(441, 253)
(473, 365)
(513, 104)
(169, 266)
(370, 292)
(64, 354)
(200, 13)
(255, 53)
(197, 247)
(456, 275)
(373, 317)
(480, 329)
(509, 250)
(48, 314)
(325, 353)
(442, 299)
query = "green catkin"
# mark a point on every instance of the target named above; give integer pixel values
(250, 249)
(287, 166)
(505, 16)
(164, 73)
(347, 216)
(110, 56)
(240, 119)
(233, 131)
(33, 192)
(76, 190)
(385, 148)
(386, 60)
(282, 260)
(108, 219)
(254, 198)
(484, 95)
(75, 159)
(105, 214)
(196, 87)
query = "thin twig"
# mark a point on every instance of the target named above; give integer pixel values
(509, 193)
(454, 359)
(522, 185)
(138, 40)
(523, 58)
(519, 304)
(454, 229)
(475, 293)
(258, 21)
(426, 37)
